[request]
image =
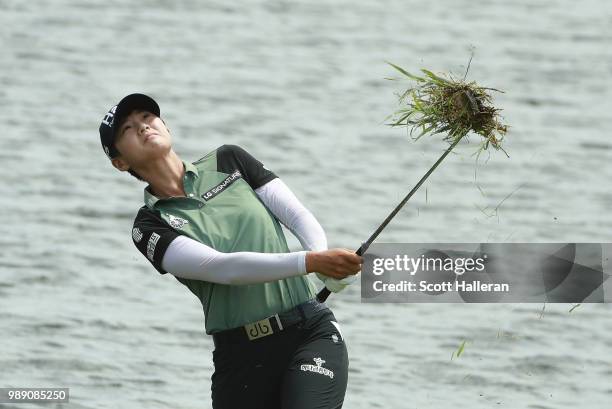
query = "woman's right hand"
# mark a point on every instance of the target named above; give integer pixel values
(335, 263)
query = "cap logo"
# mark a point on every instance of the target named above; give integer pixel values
(108, 118)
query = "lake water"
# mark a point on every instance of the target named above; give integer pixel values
(301, 85)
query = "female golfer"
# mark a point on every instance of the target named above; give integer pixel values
(214, 225)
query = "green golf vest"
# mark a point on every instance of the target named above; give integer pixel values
(222, 211)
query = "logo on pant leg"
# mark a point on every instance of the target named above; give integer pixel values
(317, 368)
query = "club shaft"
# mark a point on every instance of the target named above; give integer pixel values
(324, 293)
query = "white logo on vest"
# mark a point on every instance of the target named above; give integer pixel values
(136, 234)
(177, 222)
(151, 245)
(223, 185)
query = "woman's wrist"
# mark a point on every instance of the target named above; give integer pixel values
(311, 261)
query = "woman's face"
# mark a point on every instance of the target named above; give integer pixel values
(141, 137)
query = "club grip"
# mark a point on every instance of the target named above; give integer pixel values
(324, 293)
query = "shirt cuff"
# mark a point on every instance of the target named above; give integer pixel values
(302, 262)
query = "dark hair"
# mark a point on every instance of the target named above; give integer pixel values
(130, 171)
(136, 175)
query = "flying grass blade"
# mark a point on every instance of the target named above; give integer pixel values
(434, 77)
(461, 349)
(406, 73)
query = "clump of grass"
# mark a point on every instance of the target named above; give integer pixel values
(445, 105)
